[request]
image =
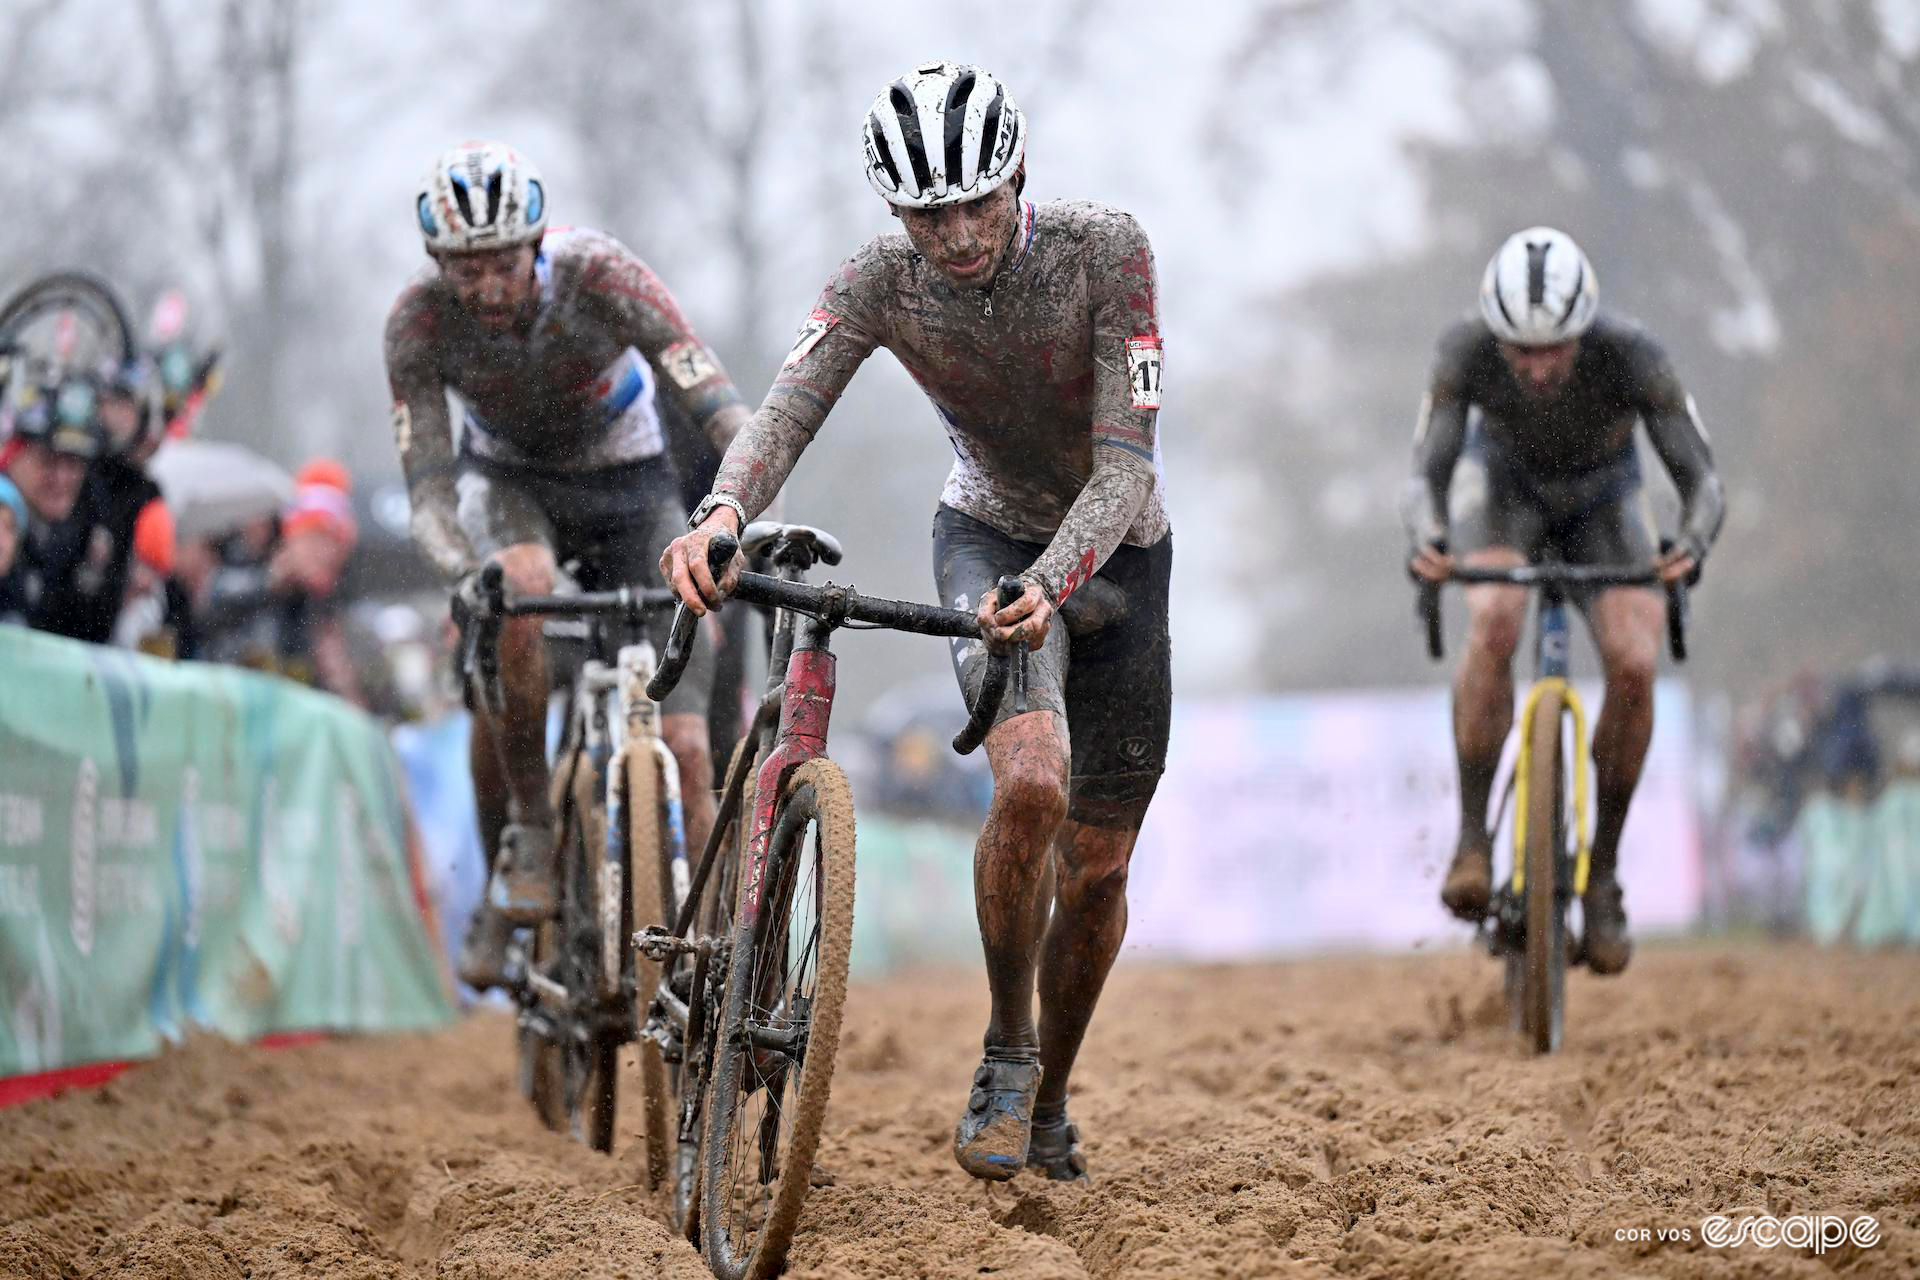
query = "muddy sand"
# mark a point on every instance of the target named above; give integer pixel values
(1352, 1117)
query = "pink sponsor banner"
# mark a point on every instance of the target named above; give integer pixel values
(1326, 820)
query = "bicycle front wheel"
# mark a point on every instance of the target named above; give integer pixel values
(592, 1049)
(1544, 975)
(701, 982)
(652, 903)
(786, 988)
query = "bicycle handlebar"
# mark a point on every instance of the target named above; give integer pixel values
(1557, 576)
(480, 615)
(835, 606)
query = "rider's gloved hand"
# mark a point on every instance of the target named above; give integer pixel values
(684, 567)
(1024, 622)
(1429, 561)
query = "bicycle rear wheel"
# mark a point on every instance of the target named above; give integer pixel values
(1544, 974)
(786, 989)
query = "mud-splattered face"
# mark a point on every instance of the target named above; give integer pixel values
(493, 285)
(1541, 371)
(967, 242)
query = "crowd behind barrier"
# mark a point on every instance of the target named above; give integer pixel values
(188, 845)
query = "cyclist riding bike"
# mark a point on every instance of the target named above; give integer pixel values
(1535, 403)
(1034, 331)
(556, 344)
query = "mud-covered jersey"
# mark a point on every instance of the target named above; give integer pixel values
(1047, 383)
(573, 391)
(1621, 378)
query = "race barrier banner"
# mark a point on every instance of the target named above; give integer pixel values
(1862, 863)
(187, 845)
(1327, 820)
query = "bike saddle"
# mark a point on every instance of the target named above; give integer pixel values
(1097, 604)
(809, 545)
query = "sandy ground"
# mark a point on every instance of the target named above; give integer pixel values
(1335, 1117)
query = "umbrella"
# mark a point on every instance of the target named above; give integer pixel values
(212, 487)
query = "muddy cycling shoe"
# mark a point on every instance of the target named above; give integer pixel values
(991, 1139)
(1055, 1148)
(525, 884)
(1607, 945)
(483, 953)
(1469, 883)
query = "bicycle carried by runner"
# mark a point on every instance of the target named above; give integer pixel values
(1526, 923)
(753, 967)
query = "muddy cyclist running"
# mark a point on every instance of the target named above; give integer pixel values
(1034, 331)
(1525, 446)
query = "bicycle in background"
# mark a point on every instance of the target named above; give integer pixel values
(1526, 923)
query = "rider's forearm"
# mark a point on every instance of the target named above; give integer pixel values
(761, 458)
(1095, 524)
(1437, 440)
(1682, 447)
(436, 527)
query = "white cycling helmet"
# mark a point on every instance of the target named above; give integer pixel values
(1539, 289)
(944, 133)
(481, 195)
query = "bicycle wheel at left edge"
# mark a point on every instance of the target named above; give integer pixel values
(786, 988)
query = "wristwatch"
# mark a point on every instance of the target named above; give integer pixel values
(712, 500)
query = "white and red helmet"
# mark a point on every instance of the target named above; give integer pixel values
(481, 195)
(1539, 289)
(944, 133)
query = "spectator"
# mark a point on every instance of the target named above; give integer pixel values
(13, 527)
(66, 561)
(280, 612)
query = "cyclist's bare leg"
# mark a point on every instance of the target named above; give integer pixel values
(1082, 939)
(1627, 627)
(527, 680)
(508, 756)
(489, 772)
(1482, 715)
(1030, 759)
(525, 883)
(1011, 876)
(1627, 624)
(686, 736)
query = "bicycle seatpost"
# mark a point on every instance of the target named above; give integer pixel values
(721, 549)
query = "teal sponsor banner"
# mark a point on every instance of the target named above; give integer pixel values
(185, 845)
(1862, 866)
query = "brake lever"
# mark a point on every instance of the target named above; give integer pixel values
(486, 637)
(1002, 669)
(721, 548)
